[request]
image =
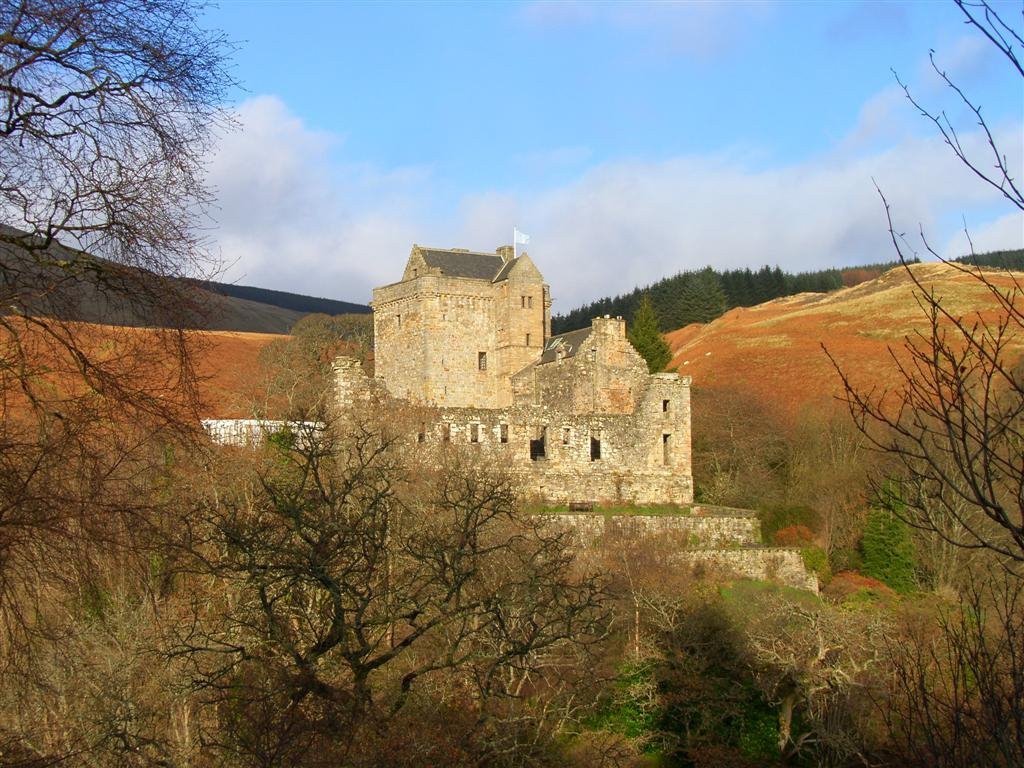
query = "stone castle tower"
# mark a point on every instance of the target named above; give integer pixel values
(458, 324)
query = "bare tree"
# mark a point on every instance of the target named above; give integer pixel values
(107, 110)
(953, 425)
(354, 593)
(952, 696)
(952, 431)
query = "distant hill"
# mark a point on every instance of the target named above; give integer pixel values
(700, 296)
(79, 287)
(1013, 260)
(295, 302)
(772, 353)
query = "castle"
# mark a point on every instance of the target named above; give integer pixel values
(465, 338)
(576, 417)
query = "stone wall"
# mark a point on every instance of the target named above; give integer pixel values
(428, 334)
(729, 544)
(560, 455)
(254, 432)
(605, 376)
(784, 566)
(679, 531)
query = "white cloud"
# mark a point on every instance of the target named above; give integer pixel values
(293, 218)
(290, 217)
(997, 235)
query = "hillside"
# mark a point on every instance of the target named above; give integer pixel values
(74, 285)
(774, 351)
(701, 296)
(242, 300)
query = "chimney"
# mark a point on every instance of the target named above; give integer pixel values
(506, 252)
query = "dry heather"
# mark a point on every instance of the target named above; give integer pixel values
(773, 351)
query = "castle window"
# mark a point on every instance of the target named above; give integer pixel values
(591, 355)
(537, 447)
(399, 319)
(474, 433)
(422, 436)
(527, 339)
(446, 432)
(503, 433)
(666, 449)
(595, 446)
(565, 435)
(529, 302)
(522, 302)
(664, 406)
(481, 361)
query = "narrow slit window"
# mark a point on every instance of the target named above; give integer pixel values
(527, 339)
(595, 446)
(529, 302)
(664, 406)
(399, 319)
(421, 437)
(446, 432)
(565, 435)
(503, 433)
(481, 361)
(474, 433)
(666, 449)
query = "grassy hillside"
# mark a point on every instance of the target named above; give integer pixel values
(774, 352)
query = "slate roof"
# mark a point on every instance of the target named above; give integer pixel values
(505, 269)
(568, 342)
(479, 266)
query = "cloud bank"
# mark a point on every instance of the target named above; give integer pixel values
(293, 217)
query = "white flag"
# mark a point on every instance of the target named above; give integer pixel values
(519, 238)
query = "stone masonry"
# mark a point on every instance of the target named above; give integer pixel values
(576, 418)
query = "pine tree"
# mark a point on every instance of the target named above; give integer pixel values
(888, 550)
(645, 337)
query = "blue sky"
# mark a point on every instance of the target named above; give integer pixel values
(630, 140)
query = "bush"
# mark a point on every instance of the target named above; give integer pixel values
(846, 559)
(816, 561)
(852, 586)
(633, 709)
(774, 519)
(793, 536)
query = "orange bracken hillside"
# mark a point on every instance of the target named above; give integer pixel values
(773, 352)
(226, 363)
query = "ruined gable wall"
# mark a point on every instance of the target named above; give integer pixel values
(606, 375)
